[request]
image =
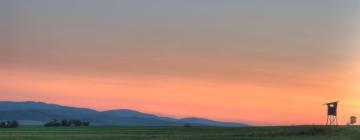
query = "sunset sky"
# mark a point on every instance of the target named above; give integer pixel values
(262, 62)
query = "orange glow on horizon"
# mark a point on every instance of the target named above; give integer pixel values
(176, 96)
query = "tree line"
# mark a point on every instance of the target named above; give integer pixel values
(9, 124)
(65, 122)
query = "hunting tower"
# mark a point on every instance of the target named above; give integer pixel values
(332, 113)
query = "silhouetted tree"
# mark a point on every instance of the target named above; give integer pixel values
(85, 123)
(54, 122)
(65, 122)
(14, 124)
(9, 124)
(2, 124)
(187, 125)
(76, 122)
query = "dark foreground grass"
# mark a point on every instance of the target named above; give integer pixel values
(181, 133)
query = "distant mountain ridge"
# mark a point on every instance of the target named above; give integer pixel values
(42, 112)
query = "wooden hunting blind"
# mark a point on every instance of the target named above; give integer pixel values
(332, 113)
(352, 120)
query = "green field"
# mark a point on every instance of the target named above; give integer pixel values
(180, 133)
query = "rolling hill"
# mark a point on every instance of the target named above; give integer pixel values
(42, 112)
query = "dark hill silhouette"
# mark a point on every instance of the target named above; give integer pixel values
(43, 112)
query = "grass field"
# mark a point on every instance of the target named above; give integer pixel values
(180, 133)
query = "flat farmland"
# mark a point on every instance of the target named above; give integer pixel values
(181, 133)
